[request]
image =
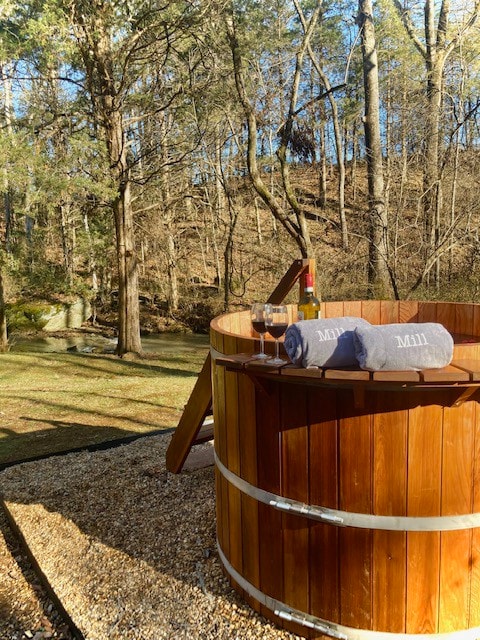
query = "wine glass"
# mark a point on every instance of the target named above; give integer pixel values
(276, 322)
(258, 314)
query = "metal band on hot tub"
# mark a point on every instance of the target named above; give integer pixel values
(350, 519)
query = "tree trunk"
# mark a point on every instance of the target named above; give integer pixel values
(92, 22)
(128, 301)
(432, 148)
(128, 304)
(173, 296)
(258, 222)
(322, 163)
(7, 194)
(67, 227)
(3, 315)
(378, 274)
(353, 170)
(218, 212)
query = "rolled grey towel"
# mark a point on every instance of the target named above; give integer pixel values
(327, 342)
(403, 347)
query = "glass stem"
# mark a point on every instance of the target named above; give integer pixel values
(277, 355)
(262, 340)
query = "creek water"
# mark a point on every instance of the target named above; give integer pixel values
(155, 343)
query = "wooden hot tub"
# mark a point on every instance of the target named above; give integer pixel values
(348, 502)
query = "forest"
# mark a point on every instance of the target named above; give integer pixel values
(185, 152)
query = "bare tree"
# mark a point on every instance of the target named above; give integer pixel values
(120, 44)
(435, 48)
(8, 207)
(378, 275)
(93, 24)
(335, 121)
(296, 226)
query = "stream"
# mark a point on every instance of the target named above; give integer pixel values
(154, 343)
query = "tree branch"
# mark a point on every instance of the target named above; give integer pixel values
(408, 24)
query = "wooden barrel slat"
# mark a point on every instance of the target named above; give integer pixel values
(323, 448)
(323, 471)
(355, 578)
(455, 555)
(427, 312)
(389, 547)
(248, 470)
(446, 315)
(474, 611)
(250, 543)
(424, 492)
(371, 311)
(424, 471)
(422, 597)
(389, 312)
(294, 483)
(334, 310)
(389, 580)
(352, 308)
(268, 474)
(403, 444)
(408, 311)
(464, 318)
(457, 459)
(233, 463)
(233, 497)
(355, 494)
(457, 497)
(218, 392)
(247, 429)
(390, 437)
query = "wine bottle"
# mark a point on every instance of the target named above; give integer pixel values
(309, 305)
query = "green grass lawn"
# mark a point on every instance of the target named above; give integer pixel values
(53, 402)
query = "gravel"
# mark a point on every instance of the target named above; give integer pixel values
(128, 548)
(26, 610)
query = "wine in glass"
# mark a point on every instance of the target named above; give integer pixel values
(258, 314)
(276, 323)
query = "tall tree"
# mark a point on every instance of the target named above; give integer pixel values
(8, 214)
(378, 236)
(120, 43)
(438, 43)
(329, 95)
(97, 27)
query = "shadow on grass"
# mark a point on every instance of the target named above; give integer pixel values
(147, 367)
(63, 438)
(75, 401)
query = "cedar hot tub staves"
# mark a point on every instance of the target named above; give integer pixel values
(348, 501)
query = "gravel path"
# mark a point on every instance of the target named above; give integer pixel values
(26, 611)
(128, 548)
